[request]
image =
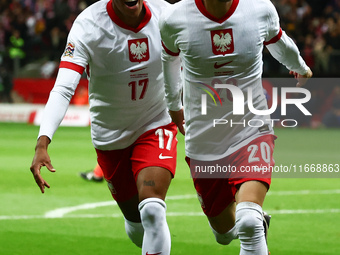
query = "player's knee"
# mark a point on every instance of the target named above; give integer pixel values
(249, 220)
(152, 211)
(247, 225)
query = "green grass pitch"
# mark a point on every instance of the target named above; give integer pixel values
(79, 217)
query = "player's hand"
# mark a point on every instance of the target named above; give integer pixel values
(178, 118)
(41, 158)
(302, 79)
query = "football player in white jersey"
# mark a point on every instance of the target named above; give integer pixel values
(118, 43)
(221, 42)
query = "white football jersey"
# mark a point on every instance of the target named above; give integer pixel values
(126, 87)
(221, 51)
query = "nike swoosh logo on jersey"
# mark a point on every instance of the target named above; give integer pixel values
(136, 70)
(163, 157)
(217, 66)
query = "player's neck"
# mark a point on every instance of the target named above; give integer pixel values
(217, 8)
(132, 20)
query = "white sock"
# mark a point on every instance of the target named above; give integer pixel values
(249, 223)
(135, 232)
(156, 231)
(225, 238)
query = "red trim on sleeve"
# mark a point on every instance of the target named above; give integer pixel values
(171, 53)
(203, 10)
(275, 38)
(72, 66)
(119, 22)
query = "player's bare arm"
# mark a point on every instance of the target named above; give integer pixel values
(178, 118)
(41, 158)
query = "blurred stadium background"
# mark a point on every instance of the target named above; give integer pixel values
(75, 217)
(33, 36)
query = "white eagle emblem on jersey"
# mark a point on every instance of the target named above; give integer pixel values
(222, 42)
(138, 50)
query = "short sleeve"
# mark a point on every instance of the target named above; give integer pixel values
(274, 31)
(168, 37)
(76, 47)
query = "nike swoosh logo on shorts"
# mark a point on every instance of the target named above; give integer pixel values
(164, 157)
(153, 253)
(221, 65)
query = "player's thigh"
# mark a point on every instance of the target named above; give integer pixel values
(154, 161)
(252, 191)
(216, 198)
(225, 221)
(129, 209)
(254, 162)
(214, 194)
(116, 167)
(153, 182)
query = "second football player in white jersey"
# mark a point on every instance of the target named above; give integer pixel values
(118, 43)
(221, 42)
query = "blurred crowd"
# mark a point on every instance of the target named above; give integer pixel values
(315, 27)
(31, 30)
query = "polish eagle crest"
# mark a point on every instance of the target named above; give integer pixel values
(222, 41)
(138, 50)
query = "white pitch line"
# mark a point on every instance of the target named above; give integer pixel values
(21, 217)
(303, 192)
(62, 212)
(303, 211)
(179, 197)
